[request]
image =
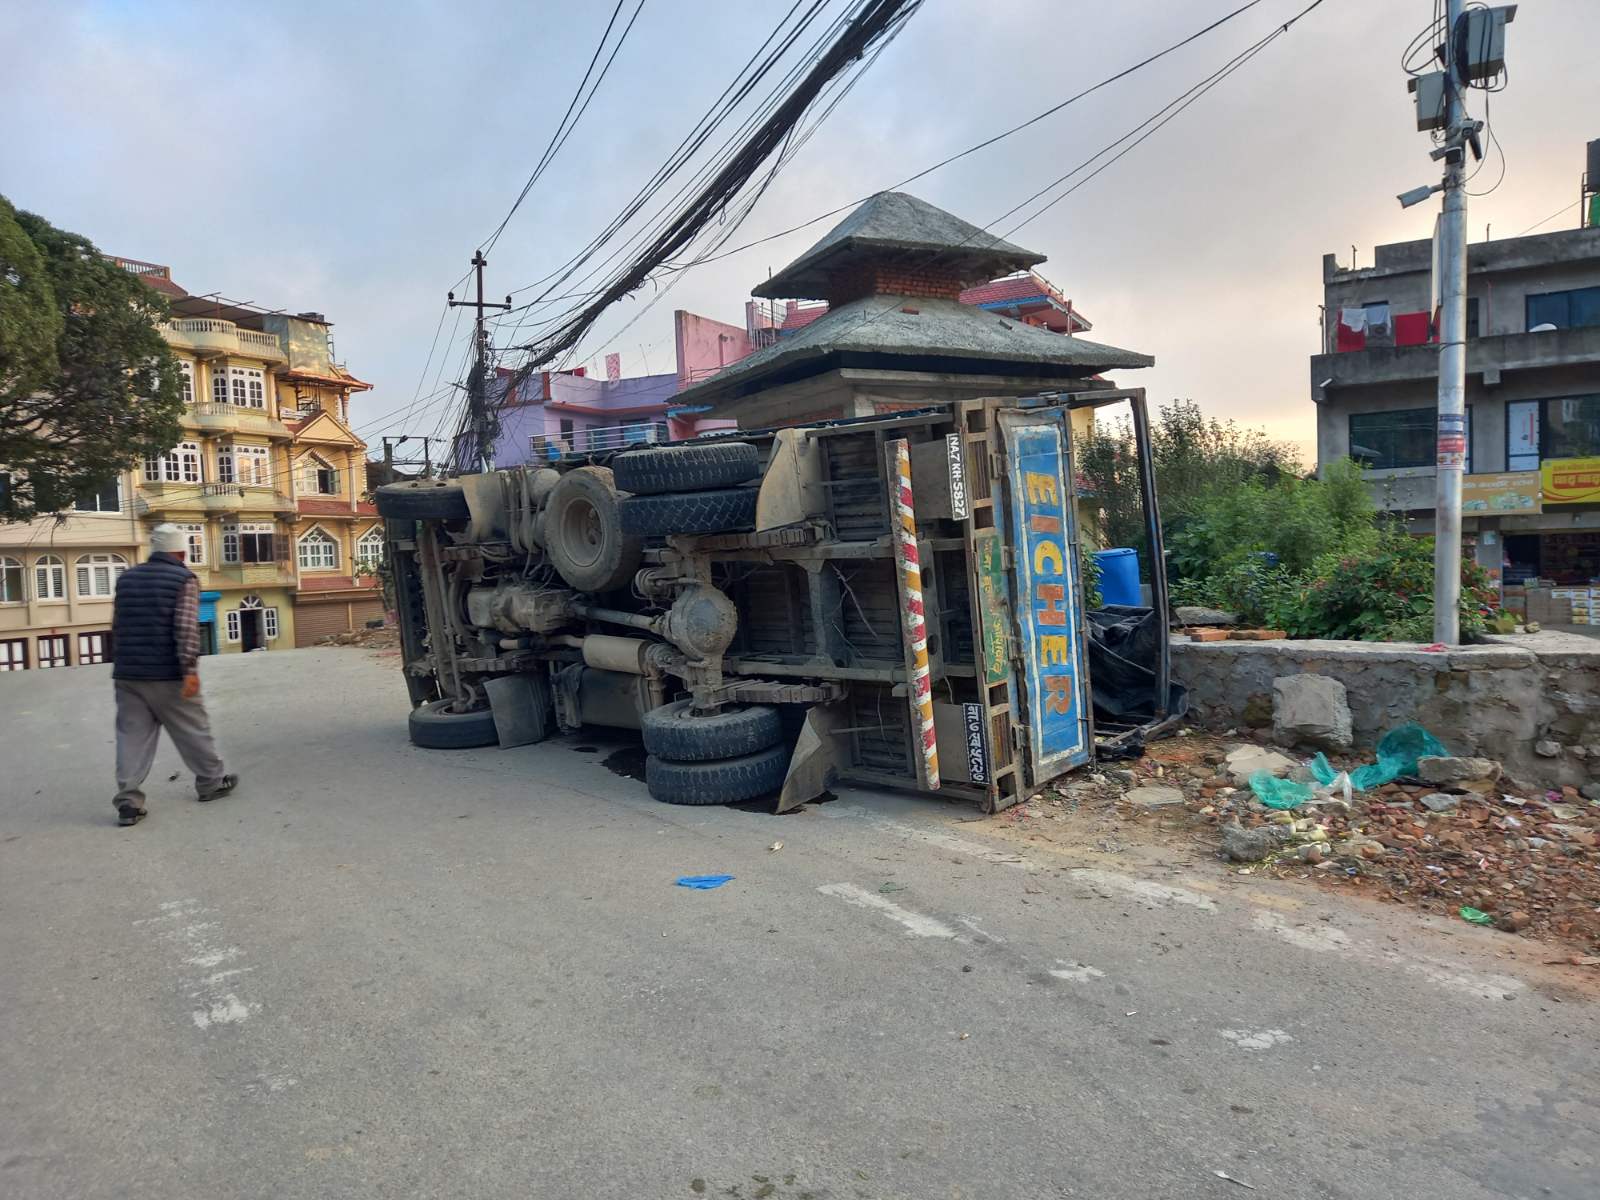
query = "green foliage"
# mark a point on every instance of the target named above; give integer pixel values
(1194, 456)
(1295, 519)
(87, 383)
(1387, 593)
(1090, 570)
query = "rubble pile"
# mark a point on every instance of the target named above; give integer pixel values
(1455, 835)
(384, 637)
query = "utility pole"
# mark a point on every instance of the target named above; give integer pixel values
(1452, 440)
(1473, 49)
(482, 423)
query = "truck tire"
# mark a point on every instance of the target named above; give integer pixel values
(422, 500)
(721, 511)
(585, 536)
(434, 727)
(725, 781)
(689, 468)
(675, 734)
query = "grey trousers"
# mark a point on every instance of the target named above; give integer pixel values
(144, 709)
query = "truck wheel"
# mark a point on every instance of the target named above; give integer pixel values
(674, 733)
(726, 781)
(434, 727)
(690, 512)
(585, 535)
(688, 468)
(422, 500)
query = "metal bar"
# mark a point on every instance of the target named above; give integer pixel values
(441, 641)
(1158, 552)
(908, 558)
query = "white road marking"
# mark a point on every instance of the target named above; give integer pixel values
(916, 925)
(930, 836)
(1144, 889)
(1075, 971)
(981, 932)
(1330, 939)
(1256, 1039)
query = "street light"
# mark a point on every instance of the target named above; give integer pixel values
(1418, 194)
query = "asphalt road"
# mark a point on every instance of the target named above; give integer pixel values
(383, 972)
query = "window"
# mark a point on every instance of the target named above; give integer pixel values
(1562, 427)
(53, 650)
(231, 619)
(248, 387)
(318, 551)
(1571, 427)
(14, 654)
(1472, 316)
(49, 578)
(219, 383)
(317, 477)
(225, 464)
(186, 381)
(254, 464)
(11, 582)
(1389, 440)
(196, 535)
(93, 648)
(269, 623)
(1575, 309)
(248, 543)
(108, 499)
(369, 551)
(97, 575)
(181, 464)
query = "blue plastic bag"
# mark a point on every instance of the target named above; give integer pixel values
(703, 883)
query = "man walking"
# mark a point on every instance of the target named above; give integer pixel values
(155, 635)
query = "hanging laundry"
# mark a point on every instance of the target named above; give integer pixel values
(1411, 329)
(1353, 319)
(1378, 318)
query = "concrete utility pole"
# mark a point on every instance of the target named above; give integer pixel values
(1473, 49)
(481, 421)
(1452, 440)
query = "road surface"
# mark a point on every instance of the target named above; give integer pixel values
(376, 971)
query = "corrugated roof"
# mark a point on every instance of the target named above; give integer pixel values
(897, 222)
(900, 333)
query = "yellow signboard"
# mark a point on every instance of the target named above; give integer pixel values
(1571, 480)
(1490, 495)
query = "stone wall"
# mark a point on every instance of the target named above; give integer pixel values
(1501, 700)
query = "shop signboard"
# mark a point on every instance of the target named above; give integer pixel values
(1570, 480)
(1505, 492)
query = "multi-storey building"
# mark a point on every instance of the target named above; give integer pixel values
(1531, 494)
(267, 481)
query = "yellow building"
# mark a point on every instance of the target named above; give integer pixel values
(268, 482)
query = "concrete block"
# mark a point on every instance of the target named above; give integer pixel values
(1311, 710)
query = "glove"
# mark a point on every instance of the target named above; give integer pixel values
(191, 686)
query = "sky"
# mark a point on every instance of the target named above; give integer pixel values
(348, 157)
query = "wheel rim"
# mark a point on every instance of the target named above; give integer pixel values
(582, 532)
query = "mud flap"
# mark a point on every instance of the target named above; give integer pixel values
(522, 708)
(816, 757)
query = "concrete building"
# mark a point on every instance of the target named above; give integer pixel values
(267, 481)
(1531, 497)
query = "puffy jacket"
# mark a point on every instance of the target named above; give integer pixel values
(143, 643)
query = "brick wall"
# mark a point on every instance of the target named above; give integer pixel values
(920, 279)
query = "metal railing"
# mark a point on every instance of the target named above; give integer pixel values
(609, 437)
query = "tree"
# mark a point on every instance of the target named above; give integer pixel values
(1194, 456)
(87, 383)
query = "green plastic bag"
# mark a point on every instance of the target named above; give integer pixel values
(1476, 916)
(1279, 793)
(1398, 752)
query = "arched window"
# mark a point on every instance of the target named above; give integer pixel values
(97, 575)
(49, 578)
(318, 551)
(369, 551)
(11, 581)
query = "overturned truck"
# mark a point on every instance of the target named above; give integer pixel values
(890, 600)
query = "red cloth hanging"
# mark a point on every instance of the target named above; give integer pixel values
(1345, 338)
(1411, 329)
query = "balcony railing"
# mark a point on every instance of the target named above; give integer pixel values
(589, 441)
(223, 337)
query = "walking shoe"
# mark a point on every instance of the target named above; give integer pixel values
(229, 782)
(130, 814)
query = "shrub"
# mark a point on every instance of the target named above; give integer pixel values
(1387, 594)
